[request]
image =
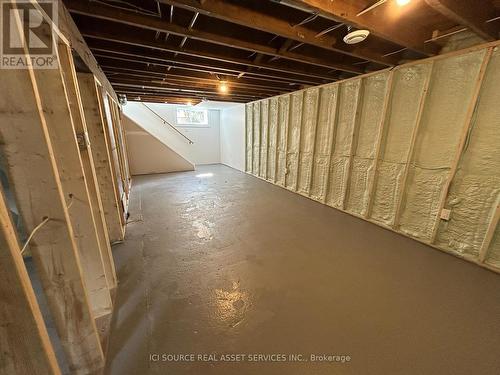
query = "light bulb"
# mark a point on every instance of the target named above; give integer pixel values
(402, 2)
(223, 87)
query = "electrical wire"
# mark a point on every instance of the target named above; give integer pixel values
(33, 232)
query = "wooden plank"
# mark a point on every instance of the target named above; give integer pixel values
(483, 251)
(409, 155)
(102, 161)
(379, 142)
(470, 14)
(461, 143)
(35, 175)
(75, 103)
(354, 141)
(24, 341)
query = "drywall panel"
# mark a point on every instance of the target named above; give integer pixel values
(293, 144)
(282, 130)
(308, 132)
(363, 161)
(444, 114)
(407, 89)
(273, 133)
(249, 137)
(476, 187)
(324, 140)
(264, 135)
(256, 138)
(339, 166)
(396, 146)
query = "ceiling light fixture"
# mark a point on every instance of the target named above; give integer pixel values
(402, 3)
(355, 36)
(223, 87)
(189, 102)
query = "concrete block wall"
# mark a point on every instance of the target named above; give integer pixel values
(414, 149)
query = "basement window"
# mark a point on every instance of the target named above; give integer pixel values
(192, 117)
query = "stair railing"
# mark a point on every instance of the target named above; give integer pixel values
(165, 122)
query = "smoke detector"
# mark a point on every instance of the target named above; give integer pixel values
(356, 36)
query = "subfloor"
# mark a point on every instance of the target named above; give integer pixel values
(219, 262)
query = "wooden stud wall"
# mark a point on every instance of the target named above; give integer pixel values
(57, 154)
(402, 148)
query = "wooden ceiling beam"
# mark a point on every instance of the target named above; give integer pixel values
(381, 23)
(182, 85)
(179, 91)
(190, 74)
(157, 94)
(151, 59)
(470, 14)
(119, 37)
(185, 80)
(259, 20)
(130, 18)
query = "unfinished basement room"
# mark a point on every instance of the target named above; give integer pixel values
(254, 187)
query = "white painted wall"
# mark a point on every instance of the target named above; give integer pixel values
(232, 136)
(206, 147)
(148, 155)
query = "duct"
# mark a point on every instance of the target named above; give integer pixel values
(394, 154)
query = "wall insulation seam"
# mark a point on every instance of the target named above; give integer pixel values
(353, 166)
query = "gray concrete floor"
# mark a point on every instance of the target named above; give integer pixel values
(229, 264)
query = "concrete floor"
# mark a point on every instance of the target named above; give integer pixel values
(228, 264)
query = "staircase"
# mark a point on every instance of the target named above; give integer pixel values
(154, 144)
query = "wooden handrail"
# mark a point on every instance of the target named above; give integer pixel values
(169, 124)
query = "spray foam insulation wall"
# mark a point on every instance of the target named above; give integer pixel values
(414, 148)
